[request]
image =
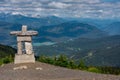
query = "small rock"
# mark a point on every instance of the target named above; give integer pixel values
(38, 68)
(20, 67)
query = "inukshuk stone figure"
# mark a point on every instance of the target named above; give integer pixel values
(24, 44)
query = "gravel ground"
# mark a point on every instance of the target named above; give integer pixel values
(42, 71)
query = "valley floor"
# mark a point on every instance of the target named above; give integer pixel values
(42, 71)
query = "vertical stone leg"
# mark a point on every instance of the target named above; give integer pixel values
(28, 48)
(19, 45)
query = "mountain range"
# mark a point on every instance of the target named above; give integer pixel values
(100, 52)
(96, 41)
(51, 28)
(70, 30)
(31, 21)
(113, 28)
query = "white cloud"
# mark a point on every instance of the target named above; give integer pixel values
(69, 8)
(58, 5)
(86, 1)
(19, 1)
(38, 9)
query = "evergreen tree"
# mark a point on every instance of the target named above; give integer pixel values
(81, 65)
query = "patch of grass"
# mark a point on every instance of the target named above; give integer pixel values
(94, 69)
(7, 59)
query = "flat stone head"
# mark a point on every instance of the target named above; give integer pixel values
(24, 28)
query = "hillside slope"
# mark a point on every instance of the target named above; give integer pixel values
(101, 52)
(69, 30)
(6, 51)
(42, 71)
(113, 28)
(5, 29)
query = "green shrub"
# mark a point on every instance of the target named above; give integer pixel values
(63, 61)
(82, 65)
(7, 59)
(72, 64)
(94, 69)
(1, 62)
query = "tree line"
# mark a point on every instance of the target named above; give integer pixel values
(64, 61)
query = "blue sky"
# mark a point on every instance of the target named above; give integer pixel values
(63, 8)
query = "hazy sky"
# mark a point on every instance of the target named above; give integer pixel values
(63, 8)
